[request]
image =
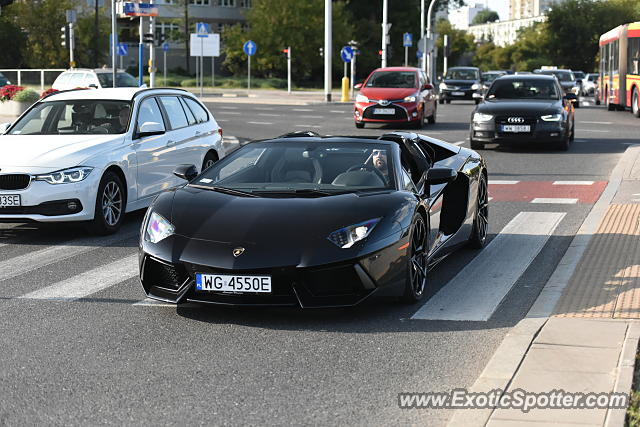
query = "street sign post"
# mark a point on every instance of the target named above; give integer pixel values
(249, 48)
(122, 51)
(202, 46)
(165, 49)
(407, 42)
(346, 53)
(202, 32)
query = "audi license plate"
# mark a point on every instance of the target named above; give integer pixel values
(516, 128)
(384, 111)
(230, 283)
(10, 200)
(457, 93)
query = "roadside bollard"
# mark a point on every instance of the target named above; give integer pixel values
(345, 90)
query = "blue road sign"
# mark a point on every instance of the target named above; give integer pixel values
(122, 49)
(346, 53)
(250, 47)
(407, 40)
(202, 29)
(165, 46)
(418, 54)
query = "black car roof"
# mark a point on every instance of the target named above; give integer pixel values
(527, 77)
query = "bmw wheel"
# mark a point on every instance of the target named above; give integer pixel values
(110, 205)
(417, 263)
(481, 221)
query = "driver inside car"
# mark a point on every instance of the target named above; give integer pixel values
(379, 160)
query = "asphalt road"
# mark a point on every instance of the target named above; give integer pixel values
(104, 355)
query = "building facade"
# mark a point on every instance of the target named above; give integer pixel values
(462, 17)
(502, 33)
(521, 9)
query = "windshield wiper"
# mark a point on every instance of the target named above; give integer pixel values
(225, 190)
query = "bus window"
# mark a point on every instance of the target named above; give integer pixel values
(633, 56)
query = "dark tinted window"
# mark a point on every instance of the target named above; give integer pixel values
(122, 80)
(518, 89)
(197, 110)
(462, 74)
(177, 117)
(190, 117)
(393, 79)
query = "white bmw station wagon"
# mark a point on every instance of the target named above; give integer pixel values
(93, 155)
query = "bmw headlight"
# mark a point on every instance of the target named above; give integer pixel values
(443, 85)
(475, 86)
(158, 228)
(361, 98)
(348, 236)
(411, 98)
(66, 176)
(552, 117)
(481, 117)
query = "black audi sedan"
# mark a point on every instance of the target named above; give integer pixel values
(461, 83)
(521, 109)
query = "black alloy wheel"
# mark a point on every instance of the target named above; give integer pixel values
(417, 263)
(478, 237)
(110, 205)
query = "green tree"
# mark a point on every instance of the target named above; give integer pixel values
(12, 40)
(484, 16)
(41, 22)
(461, 44)
(276, 24)
(575, 26)
(85, 39)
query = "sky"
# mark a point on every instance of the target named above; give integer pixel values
(500, 6)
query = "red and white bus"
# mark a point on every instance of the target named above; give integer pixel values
(619, 82)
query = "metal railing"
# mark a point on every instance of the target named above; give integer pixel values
(25, 75)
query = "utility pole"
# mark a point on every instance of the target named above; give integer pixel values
(152, 53)
(113, 41)
(446, 53)
(385, 29)
(327, 50)
(95, 43)
(429, 43)
(423, 65)
(289, 70)
(141, 53)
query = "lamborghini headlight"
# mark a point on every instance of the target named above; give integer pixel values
(66, 176)
(348, 236)
(481, 117)
(552, 117)
(361, 98)
(158, 228)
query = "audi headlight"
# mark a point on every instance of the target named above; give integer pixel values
(348, 236)
(411, 98)
(443, 85)
(158, 228)
(361, 98)
(481, 117)
(475, 86)
(66, 176)
(552, 117)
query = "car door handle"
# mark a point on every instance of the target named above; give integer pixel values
(198, 133)
(170, 143)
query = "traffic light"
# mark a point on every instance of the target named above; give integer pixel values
(65, 35)
(160, 37)
(380, 53)
(285, 52)
(321, 50)
(148, 38)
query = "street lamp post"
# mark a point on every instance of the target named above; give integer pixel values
(422, 34)
(429, 36)
(327, 50)
(113, 41)
(385, 29)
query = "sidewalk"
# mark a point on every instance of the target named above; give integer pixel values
(268, 96)
(581, 335)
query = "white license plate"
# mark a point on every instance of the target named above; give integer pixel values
(384, 111)
(457, 93)
(10, 200)
(516, 128)
(231, 283)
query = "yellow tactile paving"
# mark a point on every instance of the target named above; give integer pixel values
(606, 282)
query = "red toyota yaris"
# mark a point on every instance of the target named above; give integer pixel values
(395, 95)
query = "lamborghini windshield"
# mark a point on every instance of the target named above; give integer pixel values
(303, 167)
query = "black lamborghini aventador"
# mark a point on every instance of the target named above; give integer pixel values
(313, 221)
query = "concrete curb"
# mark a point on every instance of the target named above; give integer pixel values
(508, 357)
